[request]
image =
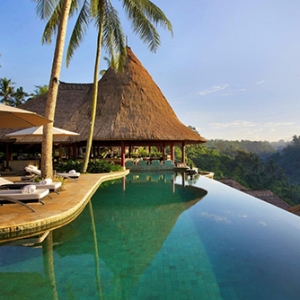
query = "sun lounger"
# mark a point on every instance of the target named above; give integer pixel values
(16, 196)
(68, 175)
(36, 172)
(33, 171)
(52, 186)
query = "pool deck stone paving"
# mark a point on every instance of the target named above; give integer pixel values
(17, 221)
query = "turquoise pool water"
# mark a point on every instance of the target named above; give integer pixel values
(154, 236)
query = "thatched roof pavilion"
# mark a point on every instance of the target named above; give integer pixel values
(131, 110)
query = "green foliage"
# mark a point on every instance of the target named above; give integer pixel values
(280, 172)
(94, 166)
(102, 166)
(289, 160)
(66, 166)
(262, 148)
(11, 96)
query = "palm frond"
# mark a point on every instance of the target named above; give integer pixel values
(141, 24)
(45, 8)
(53, 23)
(155, 14)
(95, 7)
(79, 30)
(113, 37)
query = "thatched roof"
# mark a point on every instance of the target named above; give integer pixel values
(232, 183)
(131, 107)
(265, 195)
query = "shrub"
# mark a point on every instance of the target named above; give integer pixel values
(66, 166)
(94, 166)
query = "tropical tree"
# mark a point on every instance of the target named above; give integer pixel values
(46, 8)
(6, 91)
(144, 16)
(19, 96)
(40, 90)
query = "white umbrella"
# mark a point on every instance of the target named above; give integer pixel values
(38, 131)
(12, 117)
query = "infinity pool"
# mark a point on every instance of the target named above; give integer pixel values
(157, 236)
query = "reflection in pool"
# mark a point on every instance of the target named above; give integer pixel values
(156, 237)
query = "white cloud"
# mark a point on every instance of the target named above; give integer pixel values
(270, 126)
(213, 89)
(260, 82)
(234, 124)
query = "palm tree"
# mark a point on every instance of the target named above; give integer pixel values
(40, 90)
(47, 8)
(271, 167)
(6, 91)
(144, 16)
(110, 33)
(19, 96)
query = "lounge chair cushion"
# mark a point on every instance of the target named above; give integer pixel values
(38, 195)
(68, 175)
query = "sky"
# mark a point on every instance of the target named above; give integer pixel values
(231, 68)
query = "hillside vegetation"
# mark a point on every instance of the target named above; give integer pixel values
(256, 165)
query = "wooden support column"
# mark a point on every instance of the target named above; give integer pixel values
(172, 152)
(75, 150)
(123, 154)
(183, 152)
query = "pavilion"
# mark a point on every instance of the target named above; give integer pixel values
(131, 111)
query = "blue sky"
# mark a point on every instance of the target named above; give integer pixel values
(232, 68)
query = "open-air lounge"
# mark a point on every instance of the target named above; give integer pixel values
(131, 112)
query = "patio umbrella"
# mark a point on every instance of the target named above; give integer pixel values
(12, 117)
(38, 131)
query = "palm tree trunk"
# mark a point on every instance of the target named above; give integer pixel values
(47, 143)
(94, 103)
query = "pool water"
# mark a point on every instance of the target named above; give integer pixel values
(157, 236)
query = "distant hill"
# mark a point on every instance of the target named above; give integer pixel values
(279, 145)
(289, 160)
(256, 165)
(263, 149)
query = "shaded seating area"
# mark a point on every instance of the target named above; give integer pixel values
(121, 122)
